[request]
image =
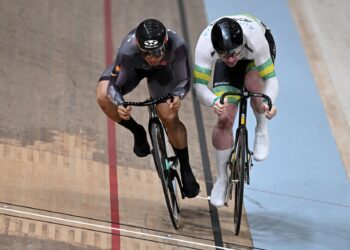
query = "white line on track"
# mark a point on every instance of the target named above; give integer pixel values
(4, 208)
(203, 198)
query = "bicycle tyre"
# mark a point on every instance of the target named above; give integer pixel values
(238, 168)
(230, 179)
(169, 186)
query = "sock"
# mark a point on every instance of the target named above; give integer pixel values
(131, 125)
(221, 159)
(261, 121)
(182, 154)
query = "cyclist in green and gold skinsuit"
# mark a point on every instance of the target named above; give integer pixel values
(242, 51)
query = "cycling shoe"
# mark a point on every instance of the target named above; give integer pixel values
(190, 185)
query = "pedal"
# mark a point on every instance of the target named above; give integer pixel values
(250, 161)
(172, 160)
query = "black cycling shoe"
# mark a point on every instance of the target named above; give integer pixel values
(141, 146)
(189, 183)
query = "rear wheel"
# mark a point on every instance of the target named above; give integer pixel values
(238, 176)
(168, 176)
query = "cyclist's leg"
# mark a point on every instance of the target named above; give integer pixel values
(141, 146)
(177, 134)
(254, 83)
(161, 83)
(225, 79)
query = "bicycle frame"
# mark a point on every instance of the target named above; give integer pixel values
(242, 118)
(240, 160)
(170, 161)
(242, 114)
(165, 165)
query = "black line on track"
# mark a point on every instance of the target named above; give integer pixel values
(214, 216)
(106, 221)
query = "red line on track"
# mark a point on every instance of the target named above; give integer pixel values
(112, 157)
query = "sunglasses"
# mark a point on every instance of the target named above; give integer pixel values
(232, 52)
(159, 52)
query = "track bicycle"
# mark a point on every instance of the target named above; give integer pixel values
(166, 165)
(240, 160)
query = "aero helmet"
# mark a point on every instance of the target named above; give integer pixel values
(151, 37)
(227, 36)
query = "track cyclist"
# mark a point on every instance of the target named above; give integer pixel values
(150, 51)
(241, 51)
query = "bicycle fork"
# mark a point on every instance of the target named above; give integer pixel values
(233, 180)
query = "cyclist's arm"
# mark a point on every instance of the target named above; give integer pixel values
(204, 94)
(266, 69)
(182, 72)
(114, 94)
(271, 88)
(202, 75)
(118, 85)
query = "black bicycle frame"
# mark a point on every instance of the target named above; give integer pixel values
(244, 94)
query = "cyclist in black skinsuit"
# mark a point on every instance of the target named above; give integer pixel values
(150, 51)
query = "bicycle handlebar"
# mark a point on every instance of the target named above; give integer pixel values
(150, 101)
(246, 95)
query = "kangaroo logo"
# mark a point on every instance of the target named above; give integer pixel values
(150, 44)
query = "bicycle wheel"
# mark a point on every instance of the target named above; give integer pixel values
(238, 175)
(165, 172)
(230, 179)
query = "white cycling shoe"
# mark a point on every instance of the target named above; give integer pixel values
(261, 144)
(218, 193)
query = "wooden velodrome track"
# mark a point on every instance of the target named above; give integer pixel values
(54, 165)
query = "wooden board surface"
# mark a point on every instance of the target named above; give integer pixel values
(54, 172)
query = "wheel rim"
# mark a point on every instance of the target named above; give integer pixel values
(239, 185)
(164, 171)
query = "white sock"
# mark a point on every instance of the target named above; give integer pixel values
(261, 121)
(217, 197)
(261, 141)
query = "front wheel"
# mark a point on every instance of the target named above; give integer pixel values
(167, 175)
(238, 176)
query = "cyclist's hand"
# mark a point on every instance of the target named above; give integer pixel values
(269, 113)
(219, 108)
(123, 112)
(175, 104)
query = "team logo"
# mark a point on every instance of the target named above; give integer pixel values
(150, 44)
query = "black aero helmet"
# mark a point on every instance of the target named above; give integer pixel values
(226, 36)
(151, 37)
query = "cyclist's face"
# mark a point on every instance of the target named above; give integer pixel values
(232, 59)
(153, 57)
(153, 60)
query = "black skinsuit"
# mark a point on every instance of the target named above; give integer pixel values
(173, 75)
